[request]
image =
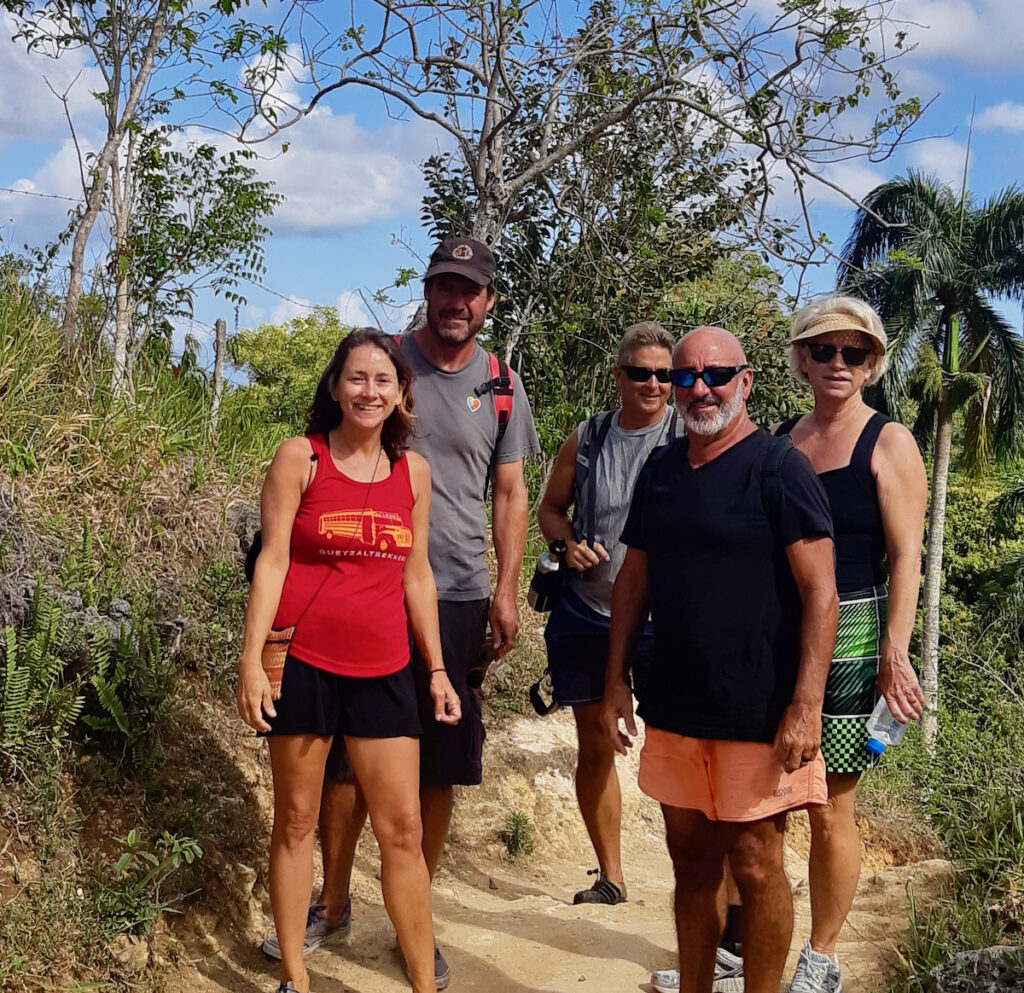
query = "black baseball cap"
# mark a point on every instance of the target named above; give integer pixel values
(464, 257)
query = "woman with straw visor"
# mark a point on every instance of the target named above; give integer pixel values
(878, 489)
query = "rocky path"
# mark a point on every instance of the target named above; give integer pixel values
(510, 928)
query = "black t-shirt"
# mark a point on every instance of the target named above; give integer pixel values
(725, 606)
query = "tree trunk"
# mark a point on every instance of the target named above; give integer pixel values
(104, 161)
(122, 318)
(933, 570)
(93, 202)
(220, 344)
(121, 195)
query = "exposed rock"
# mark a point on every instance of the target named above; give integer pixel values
(131, 952)
(990, 970)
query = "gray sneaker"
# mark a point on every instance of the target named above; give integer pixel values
(318, 930)
(728, 975)
(442, 970)
(816, 973)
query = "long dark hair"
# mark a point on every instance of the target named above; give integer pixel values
(324, 413)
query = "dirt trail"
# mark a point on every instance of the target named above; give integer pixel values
(509, 928)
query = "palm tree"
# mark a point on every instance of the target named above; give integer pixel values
(933, 263)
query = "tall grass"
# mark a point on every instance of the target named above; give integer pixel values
(106, 498)
(153, 484)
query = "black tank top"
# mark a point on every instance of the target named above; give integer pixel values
(856, 515)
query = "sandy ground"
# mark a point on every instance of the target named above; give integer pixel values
(510, 927)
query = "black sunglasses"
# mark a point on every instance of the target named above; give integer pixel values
(851, 356)
(640, 373)
(713, 375)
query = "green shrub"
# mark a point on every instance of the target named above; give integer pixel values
(972, 794)
(517, 835)
(143, 884)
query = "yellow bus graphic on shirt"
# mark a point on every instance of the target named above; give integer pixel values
(376, 528)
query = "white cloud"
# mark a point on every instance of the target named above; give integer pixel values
(352, 311)
(337, 175)
(1006, 116)
(29, 111)
(939, 157)
(984, 33)
(856, 178)
(287, 309)
(35, 214)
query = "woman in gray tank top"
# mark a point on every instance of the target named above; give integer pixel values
(593, 476)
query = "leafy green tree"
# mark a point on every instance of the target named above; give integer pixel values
(186, 218)
(284, 363)
(521, 88)
(934, 263)
(132, 43)
(623, 230)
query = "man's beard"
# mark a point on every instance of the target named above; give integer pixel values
(723, 416)
(451, 335)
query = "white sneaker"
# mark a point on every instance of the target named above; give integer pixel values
(816, 973)
(318, 930)
(728, 975)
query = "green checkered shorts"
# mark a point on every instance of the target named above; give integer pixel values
(852, 677)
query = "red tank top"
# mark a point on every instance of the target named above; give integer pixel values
(353, 538)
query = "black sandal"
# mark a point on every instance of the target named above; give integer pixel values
(603, 891)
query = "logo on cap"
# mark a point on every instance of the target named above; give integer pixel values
(473, 403)
(462, 252)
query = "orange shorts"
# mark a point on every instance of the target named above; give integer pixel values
(726, 780)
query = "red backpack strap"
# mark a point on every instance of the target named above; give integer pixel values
(501, 386)
(502, 389)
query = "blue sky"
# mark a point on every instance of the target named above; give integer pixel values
(353, 187)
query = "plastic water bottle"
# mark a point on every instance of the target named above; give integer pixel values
(883, 729)
(548, 577)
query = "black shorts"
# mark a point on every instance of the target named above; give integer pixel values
(576, 636)
(453, 756)
(449, 756)
(314, 701)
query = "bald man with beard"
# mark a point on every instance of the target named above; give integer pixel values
(730, 549)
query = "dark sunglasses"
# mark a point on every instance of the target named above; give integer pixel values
(851, 356)
(640, 373)
(713, 375)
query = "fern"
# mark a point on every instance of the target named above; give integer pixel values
(81, 568)
(134, 690)
(38, 706)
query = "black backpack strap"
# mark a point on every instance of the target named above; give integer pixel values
(771, 478)
(253, 552)
(787, 425)
(594, 446)
(673, 423)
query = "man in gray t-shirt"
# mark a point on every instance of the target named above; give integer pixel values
(457, 432)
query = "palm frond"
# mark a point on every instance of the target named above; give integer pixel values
(1009, 503)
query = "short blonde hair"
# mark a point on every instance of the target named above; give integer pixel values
(834, 313)
(640, 336)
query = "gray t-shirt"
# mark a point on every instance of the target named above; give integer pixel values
(456, 432)
(619, 462)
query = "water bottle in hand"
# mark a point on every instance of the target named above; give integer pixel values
(883, 729)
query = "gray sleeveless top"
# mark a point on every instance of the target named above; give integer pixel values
(619, 462)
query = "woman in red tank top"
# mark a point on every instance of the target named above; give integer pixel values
(345, 511)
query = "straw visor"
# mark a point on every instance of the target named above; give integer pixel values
(842, 322)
